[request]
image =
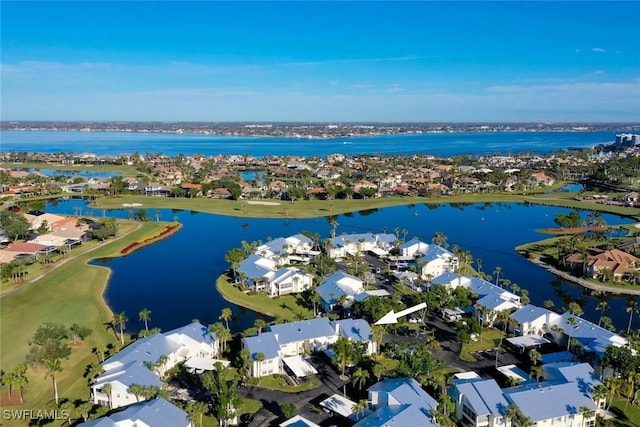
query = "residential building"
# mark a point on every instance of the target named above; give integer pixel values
(401, 402)
(134, 363)
(617, 262)
(341, 288)
(563, 399)
(270, 349)
(262, 275)
(153, 413)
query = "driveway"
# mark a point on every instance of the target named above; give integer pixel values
(270, 415)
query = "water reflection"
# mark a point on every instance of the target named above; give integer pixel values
(175, 278)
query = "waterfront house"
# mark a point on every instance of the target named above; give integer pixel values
(138, 363)
(153, 413)
(617, 262)
(262, 275)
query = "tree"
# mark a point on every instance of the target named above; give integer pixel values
(226, 315)
(288, 410)
(572, 322)
(197, 410)
(79, 333)
(259, 324)
(260, 357)
(360, 407)
(632, 307)
(440, 239)
(497, 272)
(53, 366)
(224, 393)
(137, 390)
(360, 376)
(244, 362)
(48, 342)
(378, 370)
(234, 257)
(315, 299)
(120, 320)
(145, 316)
(602, 306)
(106, 389)
(14, 224)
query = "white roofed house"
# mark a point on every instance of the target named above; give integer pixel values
(413, 249)
(261, 275)
(284, 250)
(153, 413)
(135, 363)
(349, 244)
(275, 348)
(564, 399)
(339, 287)
(399, 402)
(437, 260)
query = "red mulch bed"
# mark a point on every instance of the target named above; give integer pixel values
(575, 230)
(14, 400)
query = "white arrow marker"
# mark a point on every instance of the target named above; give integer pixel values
(392, 317)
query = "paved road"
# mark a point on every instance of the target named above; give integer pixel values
(270, 414)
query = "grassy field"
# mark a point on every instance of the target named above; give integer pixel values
(316, 208)
(72, 293)
(629, 417)
(124, 170)
(280, 383)
(486, 342)
(283, 308)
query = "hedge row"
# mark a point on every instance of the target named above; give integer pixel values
(148, 239)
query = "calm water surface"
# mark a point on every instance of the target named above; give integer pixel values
(175, 278)
(115, 143)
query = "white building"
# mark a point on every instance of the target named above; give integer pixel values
(130, 365)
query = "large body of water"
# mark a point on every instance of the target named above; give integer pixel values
(441, 145)
(175, 278)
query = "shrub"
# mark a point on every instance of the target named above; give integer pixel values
(289, 410)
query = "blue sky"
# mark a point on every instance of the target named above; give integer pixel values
(320, 61)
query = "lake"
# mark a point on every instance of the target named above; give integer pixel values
(175, 278)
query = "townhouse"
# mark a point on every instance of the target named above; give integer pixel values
(401, 402)
(144, 361)
(153, 413)
(564, 399)
(282, 346)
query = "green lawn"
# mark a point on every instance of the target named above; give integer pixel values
(124, 170)
(317, 208)
(281, 383)
(629, 417)
(282, 308)
(72, 293)
(486, 342)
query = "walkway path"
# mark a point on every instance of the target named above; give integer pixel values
(585, 283)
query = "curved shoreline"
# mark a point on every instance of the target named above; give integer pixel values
(584, 283)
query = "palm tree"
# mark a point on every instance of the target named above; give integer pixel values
(360, 407)
(259, 324)
(136, 390)
(599, 392)
(586, 413)
(537, 371)
(497, 272)
(197, 410)
(360, 376)
(602, 306)
(53, 366)
(145, 316)
(632, 307)
(315, 299)
(614, 385)
(106, 389)
(120, 320)
(378, 370)
(260, 357)
(226, 315)
(571, 321)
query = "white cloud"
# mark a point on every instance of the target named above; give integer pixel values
(598, 49)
